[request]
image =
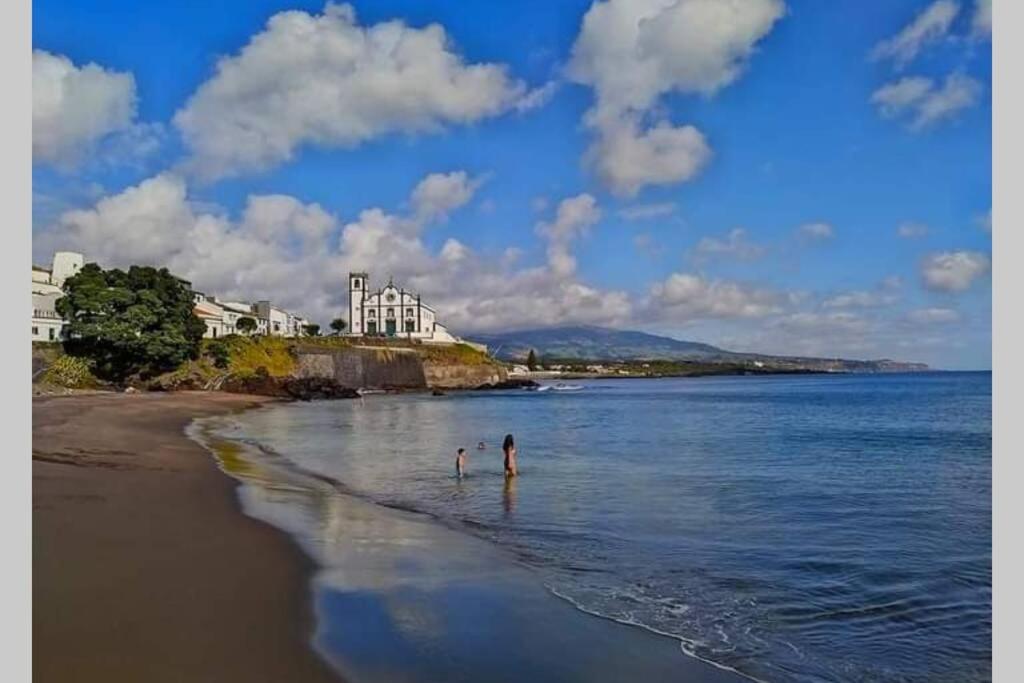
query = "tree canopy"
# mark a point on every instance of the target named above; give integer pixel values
(531, 360)
(313, 330)
(246, 325)
(338, 325)
(135, 322)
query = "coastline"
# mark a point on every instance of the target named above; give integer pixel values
(401, 596)
(144, 567)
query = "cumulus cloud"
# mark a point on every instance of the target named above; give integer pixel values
(686, 296)
(324, 79)
(642, 212)
(954, 271)
(75, 107)
(632, 52)
(439, 194)
(933, 316)
(923, 102)
(298, 255)
(930, 26)
(573, 218)
(816, 232)
(910, 230)
(860, 299)
(735, 245)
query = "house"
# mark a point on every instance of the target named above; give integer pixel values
(392, 312)
(47, 287)
(210, 312)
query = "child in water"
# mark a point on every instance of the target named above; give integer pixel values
(460, 463)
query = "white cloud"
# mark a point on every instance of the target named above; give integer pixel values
(326, 80)
(925, 103)
(932, 316)
(439, 194)
(981, 22)
(298, 254)
(75, 107)
(816, 232)
(686, 296)
(632, 52)
(954, 271)
(641, 212)
(930, 26)
(860, 299)
(735, 245)
(910, 230)
(573, 218)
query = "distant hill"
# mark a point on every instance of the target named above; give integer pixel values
(596, 343)
(601, 343)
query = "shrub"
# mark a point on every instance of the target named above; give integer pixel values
(70, 372)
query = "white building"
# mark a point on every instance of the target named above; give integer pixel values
(221, 317)
(47, 287)
(392, 312)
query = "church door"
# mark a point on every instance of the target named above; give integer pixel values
(390, 327)
(371, 327)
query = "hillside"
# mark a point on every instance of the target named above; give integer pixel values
(604, 344)
(596, 343)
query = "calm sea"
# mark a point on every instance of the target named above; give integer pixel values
(809, 528)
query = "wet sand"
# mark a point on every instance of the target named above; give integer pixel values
(144, 568)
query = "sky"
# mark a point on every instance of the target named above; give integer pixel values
(787, 177)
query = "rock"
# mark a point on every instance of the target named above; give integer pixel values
(437, 392)
(514, 383)
(317, 388)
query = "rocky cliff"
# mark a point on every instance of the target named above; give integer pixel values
(393, 368)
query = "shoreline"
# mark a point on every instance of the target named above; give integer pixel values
(144, 565)
(404, 596)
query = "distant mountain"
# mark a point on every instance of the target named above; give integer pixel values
(596, 343)
(601, 343)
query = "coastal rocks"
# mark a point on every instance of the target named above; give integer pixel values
(298, 388)
(511, 383)
(462, 376)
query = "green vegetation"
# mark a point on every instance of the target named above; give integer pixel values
(664, 368)
(138, 322)
(338, 325)
(313, 330)
(246, 325)
(456, 354)
(70, 372)
(531, 360)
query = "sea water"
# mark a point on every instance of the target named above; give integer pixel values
(793, 528)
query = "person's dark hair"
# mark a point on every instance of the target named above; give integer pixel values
(461, 450)
(508, 443)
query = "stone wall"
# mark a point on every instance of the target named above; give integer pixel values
(377, 368)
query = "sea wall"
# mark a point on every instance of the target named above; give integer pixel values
(364, 367)
(391, 368)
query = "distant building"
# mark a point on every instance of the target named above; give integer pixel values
(393, 312)
(221, 317)
(47, 287)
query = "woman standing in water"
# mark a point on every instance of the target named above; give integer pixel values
(509, 446)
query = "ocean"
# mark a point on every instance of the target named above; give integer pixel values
(789, 528)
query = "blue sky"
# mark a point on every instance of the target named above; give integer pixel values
(857, 118)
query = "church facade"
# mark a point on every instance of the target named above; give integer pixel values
(392, 311)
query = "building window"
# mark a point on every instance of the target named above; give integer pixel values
(355, 284)
(52, 335)
(391, 313)
(409, 313)
(35, 331)
(410, 325)
(372, 313)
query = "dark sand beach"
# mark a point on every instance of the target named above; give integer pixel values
(144, 569)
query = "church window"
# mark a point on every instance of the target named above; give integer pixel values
(391, 313)
(372, 313)
(355, 283)
(410, 326)
(409, 312)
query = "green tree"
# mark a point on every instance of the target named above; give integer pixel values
(338, 325)
(246, 325)
(135, 322)
(313, 330)
(531, 360)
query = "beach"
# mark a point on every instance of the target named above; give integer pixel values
(144, 568)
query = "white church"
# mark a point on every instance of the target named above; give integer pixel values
(392, 312)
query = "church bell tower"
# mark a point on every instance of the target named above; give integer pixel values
(357, 285)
